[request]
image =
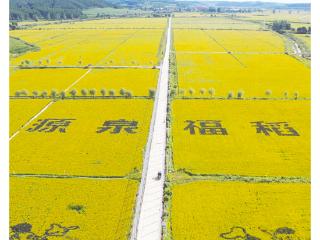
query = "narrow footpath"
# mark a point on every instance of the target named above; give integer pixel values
(149, 207)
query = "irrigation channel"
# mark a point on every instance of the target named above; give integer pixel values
(147, 222)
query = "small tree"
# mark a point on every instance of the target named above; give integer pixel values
(181, 91)
(17, 93)
(152, 93)
(92, 92)
(129, 94)
(268, 93)
(202, 91)
(54, 93)
(230, 95)
(285, 94)
(240, 94)
(44, 94)
(296, 95)
(211, 91)
(24, 92)
(112, 92)
(35, 93)
(63, 94)
(103, 92)
(73, 93)
(191, 91)
(84, 92)
(122, 92)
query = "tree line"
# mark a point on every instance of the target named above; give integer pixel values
(51, 9)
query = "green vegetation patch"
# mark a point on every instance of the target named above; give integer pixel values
(19, 47)
(109, 11)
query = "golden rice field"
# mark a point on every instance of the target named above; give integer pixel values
(294, 16)
(194, 40)
(22, 110)
(207, 41)
(43, 79)
(234, 210)
(243, 147)
(115, 23)
(81, 137)
(253, 74)
(207, 22)
(71, 208)
(81, 47)
(139, 82)
(248, 41)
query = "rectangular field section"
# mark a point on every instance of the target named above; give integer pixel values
(84, 137)
(234, 210)
(22, 110)
(71, 208)
(44, 80)
(240, 137)
(255, 75)
(83, 47)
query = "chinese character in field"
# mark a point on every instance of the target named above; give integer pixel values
(279, 128)
(51, 125)
(206, 127)
(115, 126)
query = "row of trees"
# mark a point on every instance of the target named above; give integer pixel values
(51, 9)
(283, 25)
(239, 94)
(84, 93)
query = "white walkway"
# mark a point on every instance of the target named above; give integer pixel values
(148, 216)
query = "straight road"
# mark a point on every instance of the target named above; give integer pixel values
(148, 215)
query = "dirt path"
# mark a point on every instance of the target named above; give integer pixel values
(148, 215)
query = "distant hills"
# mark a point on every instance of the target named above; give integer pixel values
(69, 9)
(51, 9)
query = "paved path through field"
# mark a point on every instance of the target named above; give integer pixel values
(148, 215)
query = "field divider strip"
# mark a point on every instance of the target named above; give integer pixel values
(229, 52)
(190, 177)
(27, 175)
(84, 67)
(232, 52)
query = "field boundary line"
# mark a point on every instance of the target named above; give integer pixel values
(190, 177)
(30, 175)
(85, 67)
(232, 52)
(229, 52)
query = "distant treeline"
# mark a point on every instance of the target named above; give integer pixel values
(51, 9)
(282, 26)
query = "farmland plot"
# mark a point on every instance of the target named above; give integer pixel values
(139, 82)
(43, 80)
(248, 41)
(81, 47)
(234, 210)
(114, 23)
(258, 75)
(212, 23)
(239, 137)
(71, 208)
(22, 110)
(84, 137)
